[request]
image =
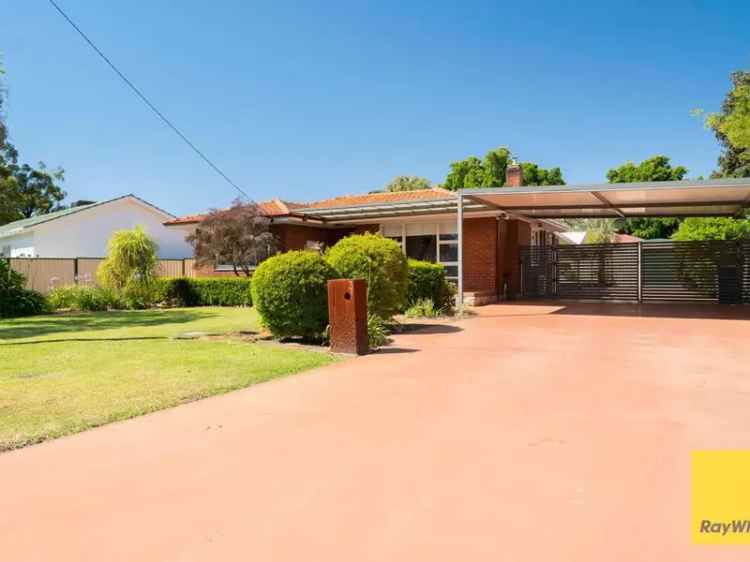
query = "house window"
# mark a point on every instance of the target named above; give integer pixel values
(421, 241)
(5, 251)
(428, 241)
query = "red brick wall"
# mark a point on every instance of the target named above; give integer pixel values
(295, 236)
(210, 272)
(502, 235)
(480, 254)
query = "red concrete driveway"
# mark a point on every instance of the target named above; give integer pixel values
(530, 433)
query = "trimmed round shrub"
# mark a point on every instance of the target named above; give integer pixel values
(290, 293)
(381, 263)
(427, 282)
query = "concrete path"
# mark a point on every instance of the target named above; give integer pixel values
(530, 433)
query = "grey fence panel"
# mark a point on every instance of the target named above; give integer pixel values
(585, 272)
(538, 271)
(692, 271)
(663, 271)
(598, 272)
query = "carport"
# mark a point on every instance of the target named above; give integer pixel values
(667, 271)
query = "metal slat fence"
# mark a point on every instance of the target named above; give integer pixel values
(663, 271)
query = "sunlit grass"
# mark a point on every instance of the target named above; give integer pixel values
(60, 374)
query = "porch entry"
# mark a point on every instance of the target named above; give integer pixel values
(659, 271)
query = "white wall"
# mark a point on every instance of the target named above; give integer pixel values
(20, 246)
(85, 234)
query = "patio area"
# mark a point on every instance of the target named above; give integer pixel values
(532, 431)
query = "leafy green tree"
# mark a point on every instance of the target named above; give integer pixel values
(494, 165)
(408, 183)
(465, 173)
(534, 175)
(490, 172)
(652, 228)
(656, 168)
(717, 228)
(731, 126)
(37, 189)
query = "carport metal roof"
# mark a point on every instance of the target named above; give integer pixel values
(723, 197)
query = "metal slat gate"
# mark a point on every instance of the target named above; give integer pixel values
(712, 271)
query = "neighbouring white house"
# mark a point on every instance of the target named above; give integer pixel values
(84, 231)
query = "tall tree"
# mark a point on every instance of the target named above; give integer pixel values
(731, 126)
(534, 175)
(494, 165)
(465, 173)
(656, 168)
(490, 172)
(408, 183)
(27, 191)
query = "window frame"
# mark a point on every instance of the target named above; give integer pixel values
(435, 226)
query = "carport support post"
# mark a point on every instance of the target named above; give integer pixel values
(460, 233)
(640, 272)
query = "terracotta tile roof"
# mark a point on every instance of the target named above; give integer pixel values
(278, 208)
(386, 197)
(272, 208)
(187, 219)
(625, 238)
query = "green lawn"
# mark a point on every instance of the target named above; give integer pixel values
(64, 373)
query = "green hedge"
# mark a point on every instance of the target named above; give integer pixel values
(427, 281)
(290, 292)
(205, 291)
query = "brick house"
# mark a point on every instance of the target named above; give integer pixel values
(424, 223)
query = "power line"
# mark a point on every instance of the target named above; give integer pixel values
(146, 100)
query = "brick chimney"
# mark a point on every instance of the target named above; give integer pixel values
(513, 175)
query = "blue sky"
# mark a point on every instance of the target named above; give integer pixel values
(310, 100)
